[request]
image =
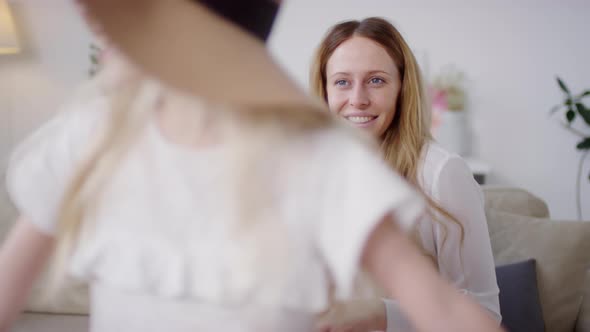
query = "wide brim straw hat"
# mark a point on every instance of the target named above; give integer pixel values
(185, 44)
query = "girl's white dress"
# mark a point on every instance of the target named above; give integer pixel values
(161, 251)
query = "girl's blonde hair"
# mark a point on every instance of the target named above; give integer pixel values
(257, 131)
(404, 140)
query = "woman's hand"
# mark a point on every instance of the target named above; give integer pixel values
(354, 316)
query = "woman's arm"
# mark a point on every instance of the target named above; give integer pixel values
(468, 264)
(22, 258)
(429, 302)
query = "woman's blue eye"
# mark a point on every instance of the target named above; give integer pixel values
(341, 83)
(377, 80)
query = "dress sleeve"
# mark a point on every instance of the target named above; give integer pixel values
(41, 167)
(359, 191)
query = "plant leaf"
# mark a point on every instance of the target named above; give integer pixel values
(570, 115)
(563, 86)
(584, 112)
(584, 94)
(584, 144)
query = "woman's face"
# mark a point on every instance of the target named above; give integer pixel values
(363, 84)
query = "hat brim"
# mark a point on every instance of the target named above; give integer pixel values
(176, 41)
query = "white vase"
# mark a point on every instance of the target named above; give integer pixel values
(453, 132)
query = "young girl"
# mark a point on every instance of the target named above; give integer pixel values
(232, 211)
(369, 77)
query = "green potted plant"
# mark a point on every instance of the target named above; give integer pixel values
(573, 108)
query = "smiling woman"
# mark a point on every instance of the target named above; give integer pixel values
(367, 75)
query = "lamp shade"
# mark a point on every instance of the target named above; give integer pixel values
(8, 38)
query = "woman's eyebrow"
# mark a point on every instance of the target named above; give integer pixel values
(339, 73)
(371, 72)
(379, 72)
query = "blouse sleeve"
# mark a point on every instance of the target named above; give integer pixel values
(468, 265)
(473, 270)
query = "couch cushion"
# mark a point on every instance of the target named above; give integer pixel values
(51, 323)
(72, 299)
(562, 252)
(519, 297)
(514, 200)
(583, 324)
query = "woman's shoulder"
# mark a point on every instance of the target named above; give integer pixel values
(436, 155)
(439, 166)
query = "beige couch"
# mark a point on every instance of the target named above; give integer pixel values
(520, 228)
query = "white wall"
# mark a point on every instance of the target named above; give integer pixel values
(511, 53)
(53, 61)
(33, 83)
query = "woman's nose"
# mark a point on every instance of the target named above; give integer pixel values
(359, 98)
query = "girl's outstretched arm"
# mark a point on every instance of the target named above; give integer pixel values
(430, 303)
(22, 258)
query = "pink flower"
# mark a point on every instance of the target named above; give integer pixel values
(439, 99)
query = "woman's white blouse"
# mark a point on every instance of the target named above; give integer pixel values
(469, 265)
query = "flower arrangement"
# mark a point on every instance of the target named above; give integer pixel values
(447, 90)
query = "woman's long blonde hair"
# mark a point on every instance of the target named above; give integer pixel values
(403, 142)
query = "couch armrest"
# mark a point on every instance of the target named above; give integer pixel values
(514, 200)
